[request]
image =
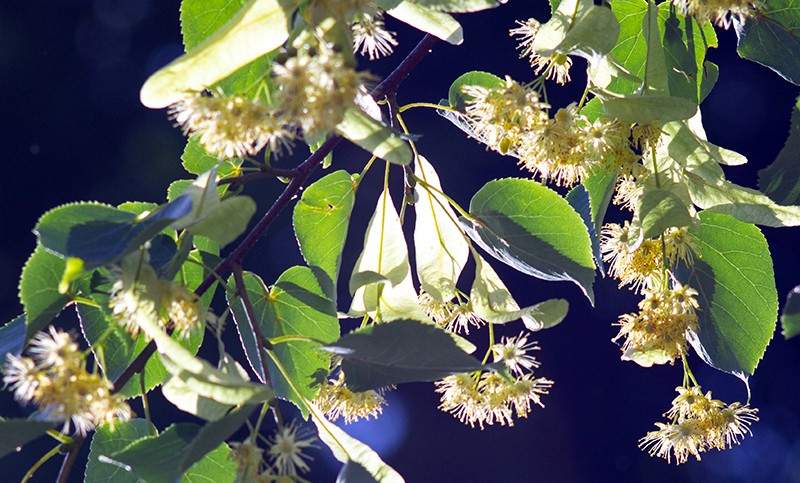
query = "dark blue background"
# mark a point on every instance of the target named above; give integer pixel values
(73, 129)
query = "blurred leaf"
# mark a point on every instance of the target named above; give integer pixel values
(106, 441)
(321, 219)
(259, 27)
(197, 161)
(12, 337)
(781, 179)
(532, 229)
(790, 319)
(347, 449)
(581, 201)
(166, 457)
(226, 221)
(100, 234)
(738, 299)
(295, 305)
(353, 472)
(38, 290)
(659, 209)
(374, 137)
(14, 433)
(439, 243)
(381, 355)
(649, 109)
(770, 36)
(381, 281)
(460, 6)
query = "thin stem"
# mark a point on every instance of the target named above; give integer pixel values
(145, 402)
(414, 105)
(264, 172)
(85, 301)
(257, 427)
(491, 343)
(366, 169)
(450, 200)
(687, 371)
(59, 436)
(241, 290)
(69, 460)
(584, 96)
(293, 338)
(44, 459)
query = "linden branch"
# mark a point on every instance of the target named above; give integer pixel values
(298, 177)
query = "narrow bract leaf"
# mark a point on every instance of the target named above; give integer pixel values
(321, 219)
(438, 24)
(402, 351)
(440, 245)
(577, 27)
(259, 27)
(738, 299)
(531, 228)
(492, 302)
(347, 449)
(649, 109)
(38, 290)
(353, 472)
(460, 6)
(374, 137)
(381, 281)
(660, 209)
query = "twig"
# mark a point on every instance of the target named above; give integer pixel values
(299, 177)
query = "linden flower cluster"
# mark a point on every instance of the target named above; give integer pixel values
(54, 377)
(316, 86)
(698, 423)
(486, 398)
(337, 401)
(141, 296)
(450, 316)
(643, 267)
(722, 12)
(657, 333)
(370, 36)
(231, 127)
(286, 452)
(511, 119)
(555, 66)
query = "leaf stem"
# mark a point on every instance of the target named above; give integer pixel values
(438, 107)
(38, 464)
(450, 200)
(293, 338)
(145, 402)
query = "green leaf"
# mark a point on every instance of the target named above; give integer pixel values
(183, 396)
(17, 432)
(119, 349)
(166, 457)
(347, 449)
(259, 27)
(738, 299)
(438, 24)
(100, 234)
(197, 161)
(492, 301)
(374, 137)
(38, 290)
(772, 36)
(577, 27)
(295, 305)
(381, 355)
(217, 466)
(440, 245)
(381, 281)
(580, 200)
(659, 209)
(456, 97)
(600, 184)
(12, 337)
(531, 228)
(226, 221)
(320, 220)
(781, 179)
(790, 319)
(106, 441)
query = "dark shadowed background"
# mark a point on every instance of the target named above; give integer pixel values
(73, 129)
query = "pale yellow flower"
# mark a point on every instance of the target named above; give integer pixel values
(287, 449)
(337, 401)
